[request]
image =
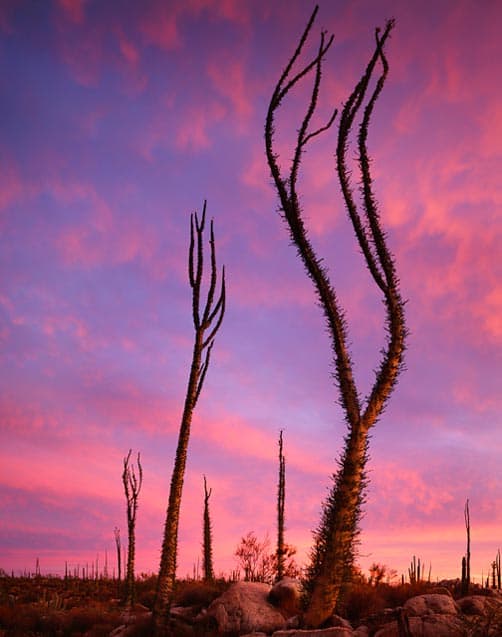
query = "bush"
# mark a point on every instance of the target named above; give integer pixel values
(198, 593)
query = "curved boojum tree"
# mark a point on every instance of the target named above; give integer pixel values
(332, 556)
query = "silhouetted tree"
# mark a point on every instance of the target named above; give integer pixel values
(281, 495)
(377, 573)
(208, 537)
(206, 324)
(333, 553)
(255, 559)
(132, 482)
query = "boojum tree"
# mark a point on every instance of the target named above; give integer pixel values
(207, 321)
(335, 539)
(207, 537)
(132, 481)
(281, 499)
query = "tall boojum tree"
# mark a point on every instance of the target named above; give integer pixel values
(335, 539)
(207, 321)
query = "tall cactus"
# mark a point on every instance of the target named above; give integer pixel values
(333, 554)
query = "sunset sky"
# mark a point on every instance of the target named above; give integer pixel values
(117, 120)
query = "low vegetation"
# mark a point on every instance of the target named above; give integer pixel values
(39, 606)
(47, 606)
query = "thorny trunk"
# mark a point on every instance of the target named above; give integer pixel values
(131, 556)
(167, 570)
(333, 554)
(334, 568)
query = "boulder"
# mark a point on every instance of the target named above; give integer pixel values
(244, 608)
(430, 604)
(335, 621)
(286, 595)
(427, 626)
(476, 605)
(338, 631)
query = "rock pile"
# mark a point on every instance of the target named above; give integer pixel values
(251, 609)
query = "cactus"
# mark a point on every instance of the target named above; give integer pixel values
(465, 584)
(415, 571)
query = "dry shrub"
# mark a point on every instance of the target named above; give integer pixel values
(94, 621)
(398, 595)
(198, 593)
(146, 586)
(363, 599)
(23, 619)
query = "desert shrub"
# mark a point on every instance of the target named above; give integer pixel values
(93, 621)
(362, 600)
(398, 595)
(198, 593)
(146, 586)
(21, 619)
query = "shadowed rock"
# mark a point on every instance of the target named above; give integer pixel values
(244, 608)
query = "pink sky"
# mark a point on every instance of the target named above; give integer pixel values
(117, 119)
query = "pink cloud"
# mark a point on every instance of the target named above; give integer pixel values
(159, 26)
(81, 49)
(129, 51)
(229, 79)
(192, 132)
(106, 236)
(7, 8)
(86, 51)
(73, 10)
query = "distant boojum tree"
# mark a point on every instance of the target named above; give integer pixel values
(333, 554)
(132, 482)
(207, 543)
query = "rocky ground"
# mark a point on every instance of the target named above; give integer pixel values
(248, 609)
(258, 610)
